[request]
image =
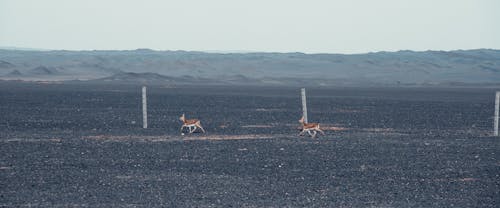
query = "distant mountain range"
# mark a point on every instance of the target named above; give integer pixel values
(460, 67)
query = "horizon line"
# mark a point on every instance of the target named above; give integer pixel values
(230, 51)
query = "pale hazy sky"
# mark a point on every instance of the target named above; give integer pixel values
(312, 26)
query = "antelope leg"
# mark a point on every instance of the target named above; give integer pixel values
(302, 132)
(194, 129)
(314, 135)
(321, 131)
(199, 126)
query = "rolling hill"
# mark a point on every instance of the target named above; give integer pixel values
(468, 67)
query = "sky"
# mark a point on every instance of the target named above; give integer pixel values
(309, 26)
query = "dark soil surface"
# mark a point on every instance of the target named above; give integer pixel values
(84, 146)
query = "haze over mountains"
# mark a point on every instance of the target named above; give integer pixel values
(461, 67)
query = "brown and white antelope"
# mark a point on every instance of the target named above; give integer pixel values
(310, 127)
(195, 123)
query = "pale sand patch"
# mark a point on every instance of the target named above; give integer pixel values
(30, 140)
(124, 177)
(348, 111)
(333, 128)
(256, 126)
(379, 130)
(5, 168)
(467, 179)
(126, 138)
(223, 126)
(383, 131)
(231, 137)
(180, 138)
(455, 179)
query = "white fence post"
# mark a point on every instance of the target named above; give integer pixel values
(144, 109)
(497, 103)
(304, 104)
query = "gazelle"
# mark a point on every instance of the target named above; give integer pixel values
(190, 123)
(310, 127)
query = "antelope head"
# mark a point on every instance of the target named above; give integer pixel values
(301, 120)
(182, 118)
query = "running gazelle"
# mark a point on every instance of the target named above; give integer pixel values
(190, 123)
(310, 127)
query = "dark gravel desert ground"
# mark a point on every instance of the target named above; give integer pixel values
(69, 145)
